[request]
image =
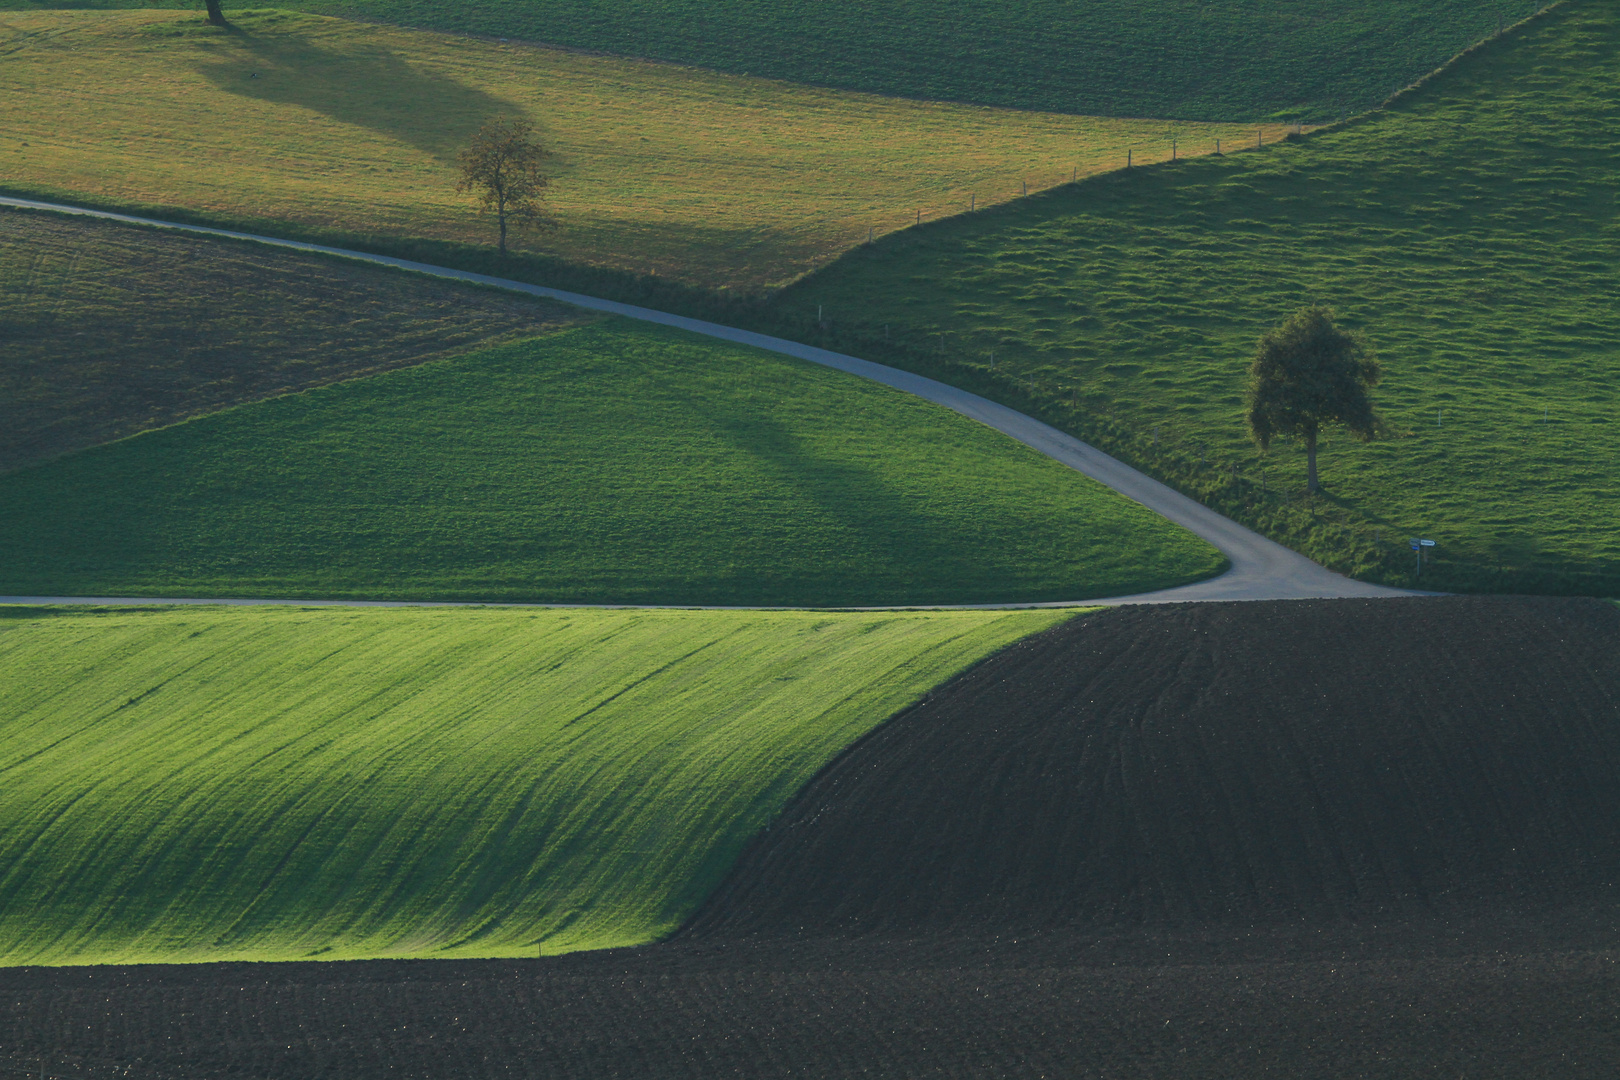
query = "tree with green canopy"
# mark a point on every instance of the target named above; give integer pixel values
(1307, 373)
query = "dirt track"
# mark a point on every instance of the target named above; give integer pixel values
(1326, 839)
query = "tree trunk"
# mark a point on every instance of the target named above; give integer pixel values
(500, 213)
(1312, 484)
(215, 15)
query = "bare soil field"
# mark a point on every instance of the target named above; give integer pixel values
(1327, 839)
(1220, 763)
(110, 329)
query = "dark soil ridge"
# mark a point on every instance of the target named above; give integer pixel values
(1326, 839)
(1241, 763)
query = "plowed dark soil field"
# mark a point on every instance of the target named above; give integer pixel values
(1318, 839)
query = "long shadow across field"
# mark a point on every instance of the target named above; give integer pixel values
(368, 86)
(1316, 838)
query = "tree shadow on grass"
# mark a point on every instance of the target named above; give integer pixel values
(912, 555)
(367, 86)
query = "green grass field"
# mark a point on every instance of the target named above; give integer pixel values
(614, 463)
(1213, 60)
(296, 122)
(111, 329)
(273, 783)
(1471, 231)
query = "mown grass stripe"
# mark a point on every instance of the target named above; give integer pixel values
(270, 783)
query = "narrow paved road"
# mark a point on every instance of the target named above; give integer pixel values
(1261, 569)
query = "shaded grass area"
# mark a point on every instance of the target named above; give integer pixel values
(614, 463)
(1470, 230)
(109, 330)
(352, 130)
(271, 783)
(1216, 60)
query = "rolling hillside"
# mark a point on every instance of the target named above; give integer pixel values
(1471, 230)
(269, 783)
(1216, 60)
(1209, 842)
(349, 132)
(613, 463)
(110, 330)
(1207, 765)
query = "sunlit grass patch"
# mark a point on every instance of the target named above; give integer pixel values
(703, 177)
(272, 783)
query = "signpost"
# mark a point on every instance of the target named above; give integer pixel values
(1418, 546)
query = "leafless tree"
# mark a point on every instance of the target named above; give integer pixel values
(502, 168)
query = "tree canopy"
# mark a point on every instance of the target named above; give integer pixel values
(1307, 373)
(502, 167)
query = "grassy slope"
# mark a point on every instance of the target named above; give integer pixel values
(319, 123)
(110, 330)
(1213, 60)
(615, 463)
(270, 783)
(1471, 231)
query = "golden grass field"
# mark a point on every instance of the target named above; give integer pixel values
(713, 179)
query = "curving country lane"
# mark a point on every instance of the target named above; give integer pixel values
(1261, 569)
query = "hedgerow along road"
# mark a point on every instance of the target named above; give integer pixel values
(1261, 569)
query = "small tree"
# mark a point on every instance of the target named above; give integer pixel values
(1306, 373)
(502, 167)
(215, 14)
